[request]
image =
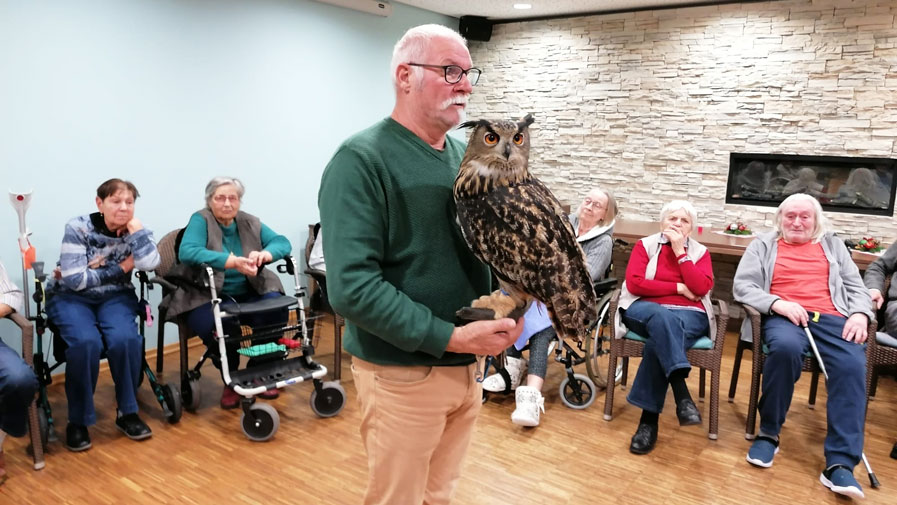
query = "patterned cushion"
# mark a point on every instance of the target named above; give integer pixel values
(702, 343)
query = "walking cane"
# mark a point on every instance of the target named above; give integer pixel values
(873, 480)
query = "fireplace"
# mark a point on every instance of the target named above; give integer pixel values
(841, 184)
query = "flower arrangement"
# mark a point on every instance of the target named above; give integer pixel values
(868, 244)
(738, 228)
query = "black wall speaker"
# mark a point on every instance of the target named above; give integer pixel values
(475, 28)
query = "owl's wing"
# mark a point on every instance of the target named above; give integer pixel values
(522, 233)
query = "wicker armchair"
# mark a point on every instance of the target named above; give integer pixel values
(879, 353)
(34, 429)
(707, 358)
(809, 365)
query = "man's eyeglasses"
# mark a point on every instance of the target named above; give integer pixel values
(454, 73)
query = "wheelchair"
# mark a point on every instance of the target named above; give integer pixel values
(169, 398)
(271, 350)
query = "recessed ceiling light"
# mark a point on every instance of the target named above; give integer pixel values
(523, 6)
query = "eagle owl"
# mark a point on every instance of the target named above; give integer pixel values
(514, 224)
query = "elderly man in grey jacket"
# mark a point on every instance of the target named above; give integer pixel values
(803, 276)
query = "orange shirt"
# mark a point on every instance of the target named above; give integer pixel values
(801, 276)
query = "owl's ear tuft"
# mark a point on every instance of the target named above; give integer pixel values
(473, 124)
(525, 121)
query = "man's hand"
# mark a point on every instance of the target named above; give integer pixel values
(877, 298)
(793, 311)
(485, 337)
(856, 328)
(260, 257)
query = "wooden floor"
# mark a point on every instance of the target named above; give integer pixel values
(574, 457)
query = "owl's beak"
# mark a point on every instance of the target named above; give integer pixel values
(507, 151)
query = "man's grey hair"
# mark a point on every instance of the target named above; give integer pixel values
(413, 47)
(675, 205)
(820, 226)
(219, 181)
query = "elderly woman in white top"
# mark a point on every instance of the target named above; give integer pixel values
(593, 223)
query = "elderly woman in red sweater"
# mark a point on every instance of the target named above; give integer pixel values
(666, 299)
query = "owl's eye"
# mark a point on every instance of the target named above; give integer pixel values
(491, 139)
(518, 138)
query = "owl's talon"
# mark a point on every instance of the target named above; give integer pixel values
(475, 314)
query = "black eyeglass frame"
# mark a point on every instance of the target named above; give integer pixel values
(445, 71)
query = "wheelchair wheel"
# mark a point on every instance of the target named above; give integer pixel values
(578, 393)
(598, 344)
(172, 399)
(260, 423)
(329, 401)
(191, 394)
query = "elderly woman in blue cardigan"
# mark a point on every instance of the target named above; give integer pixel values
(93, 303)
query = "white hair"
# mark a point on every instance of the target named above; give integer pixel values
(219, 181)
(820, 225)
(413, 46)
(675, 205)
(611, 210)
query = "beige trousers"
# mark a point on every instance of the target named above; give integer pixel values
(416, 426)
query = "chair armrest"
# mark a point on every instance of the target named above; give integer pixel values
(164, 283)
(614, 314)
(722, 321)
(756, 328)
(27, 336)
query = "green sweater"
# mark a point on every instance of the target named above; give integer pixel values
(397, 265)
(193, 250)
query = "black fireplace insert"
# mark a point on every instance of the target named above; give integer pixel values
(840, 183)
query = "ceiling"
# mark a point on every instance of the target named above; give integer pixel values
(504, 10)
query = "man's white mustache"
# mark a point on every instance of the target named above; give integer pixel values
(455, 100)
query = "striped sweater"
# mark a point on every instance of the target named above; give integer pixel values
(91, 254)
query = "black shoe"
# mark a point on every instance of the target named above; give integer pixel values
(77, 438)
(894, 451)
(687, 413)
(644, 439)
(133, 427)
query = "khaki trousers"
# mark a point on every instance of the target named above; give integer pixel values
(417, 422)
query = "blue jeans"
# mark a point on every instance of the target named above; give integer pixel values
(17, 387)
(845, 363)
(202, 322)
(668, 334)
(88, 325)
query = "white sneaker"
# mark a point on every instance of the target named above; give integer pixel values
(529, 403)
(516, 368)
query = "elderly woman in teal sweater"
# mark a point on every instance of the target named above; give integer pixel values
(236, 244)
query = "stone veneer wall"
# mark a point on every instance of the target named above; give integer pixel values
(649, 104)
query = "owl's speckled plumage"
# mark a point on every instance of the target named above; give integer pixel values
(514, 224)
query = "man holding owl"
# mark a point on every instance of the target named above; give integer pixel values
(398, 269)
